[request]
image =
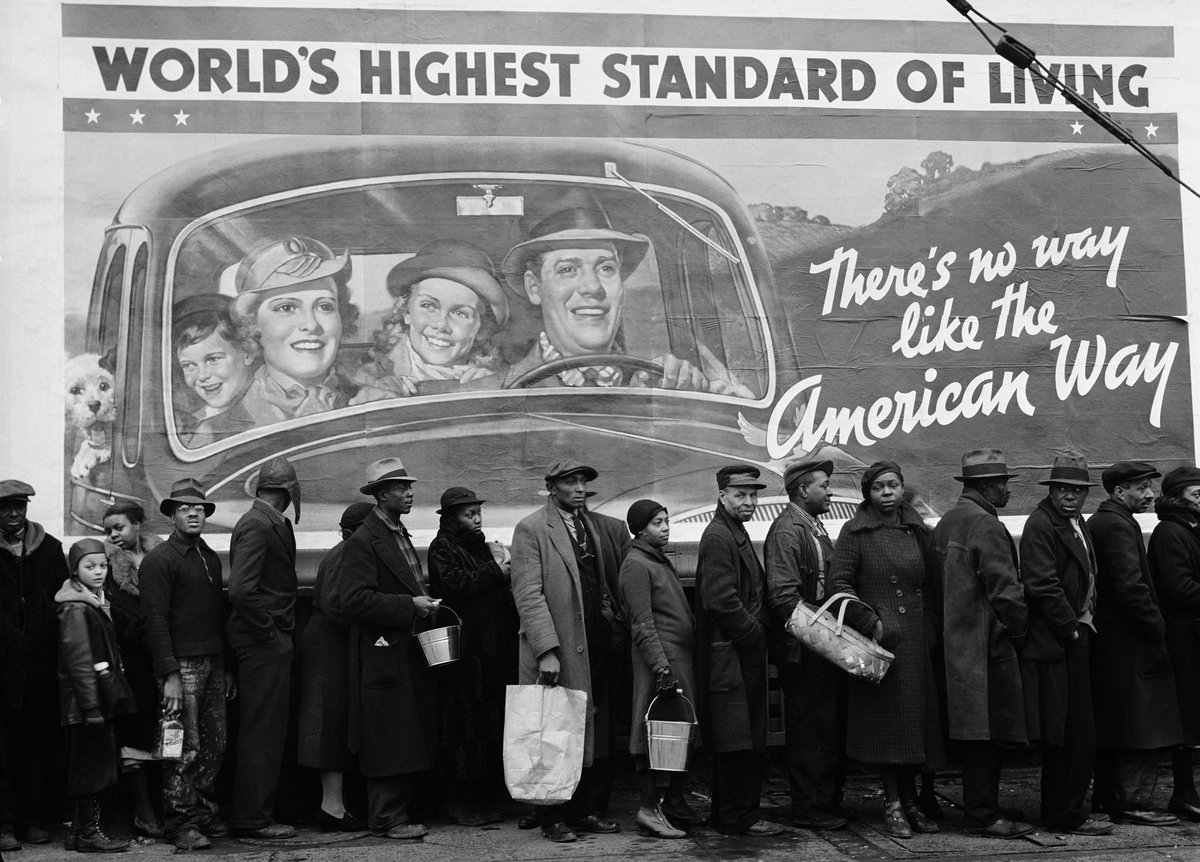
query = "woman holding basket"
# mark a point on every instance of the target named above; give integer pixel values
(882, 558)
(662, 628)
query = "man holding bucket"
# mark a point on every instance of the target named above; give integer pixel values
(393, 700)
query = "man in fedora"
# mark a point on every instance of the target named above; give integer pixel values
(1058, 569)
(262, 591)
(181, 587)
(32, 568)
(984, 623)
(797, 554)
(560, 590)
(573, 266)
(1133, 686)
(381, 592)
(731, 654)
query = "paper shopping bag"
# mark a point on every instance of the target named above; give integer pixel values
(544, 733)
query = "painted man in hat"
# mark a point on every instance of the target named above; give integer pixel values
(1133, 687)
(731, 654)
(380, 592)
(181, 590)
(1058, 569)
(559, 585)
(31, 561)
(984, 624)
(797, 554)
(573, 266)
(262, 591)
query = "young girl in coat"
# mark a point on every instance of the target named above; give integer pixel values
(92, 692)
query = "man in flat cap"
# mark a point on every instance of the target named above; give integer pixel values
(1133, 687)
(380, 592)
(573, 265)
(797, 554)
(731, 654)
(31, 564)
(1058, 568)
(984, 624)
(182, 607)
(262, 591)
(560, 588)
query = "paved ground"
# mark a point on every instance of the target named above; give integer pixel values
(863, 840)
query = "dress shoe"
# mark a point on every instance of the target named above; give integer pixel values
(527, 821)
(1091, 828)
(346, 823)
(595, 825)
(214, 827)
(680, 813)
(9, 842)
(1002, 828)
(895, 823)
(559, 833)
(36, 835)
(819, 821)
(1183, 809)
(466, 815)
(406, 831)
(930, 806)
(270, 832)
(152, 828)
(191, 839)
(650, 821)
(1144, 818)
(762, 829)
(919, 822)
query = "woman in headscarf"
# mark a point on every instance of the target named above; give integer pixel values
(882, 557)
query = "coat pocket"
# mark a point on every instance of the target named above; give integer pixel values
(725, 667)
(382, 659)
(1154, 662)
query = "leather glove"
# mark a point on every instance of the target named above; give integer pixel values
(665, 681)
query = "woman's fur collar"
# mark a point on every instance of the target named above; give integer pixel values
(121, 570)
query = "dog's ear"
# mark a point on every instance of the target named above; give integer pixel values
(108, 360)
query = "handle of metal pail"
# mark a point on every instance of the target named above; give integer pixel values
(440, 608)
(680, 694)
(841, 617)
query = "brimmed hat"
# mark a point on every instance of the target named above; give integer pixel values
(738, 476)
(354, 515)
(560, 467)
(186, 491)
(383, 471)
(457, 496)
(642, 513)
(81, 549)
(572, 228)
(201, 304)
(1069, 470)
(457, 261)
(1127, 471)
(984, 464)
(15, 490)
(277, 263)
(1180, 478)
(278, 473)
(875, 471)
(793, 472)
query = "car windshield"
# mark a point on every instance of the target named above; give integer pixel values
(353, 296)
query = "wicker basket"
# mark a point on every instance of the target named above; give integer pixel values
(829, 638)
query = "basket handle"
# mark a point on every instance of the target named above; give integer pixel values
(677, 694)
(841, 617)
(440, 608)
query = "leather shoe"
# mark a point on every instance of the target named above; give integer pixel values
(595, 825)
(9, 842)
(818, 821)
(403, 831)
(1183, 810)
(148, 828)
(681, 813)
(1002, 828)
(895, 823)
(346, 823)
(465, 815)
(762, 829)
(36, 835)
(270, 832)
(559, 833)
(191, 839)
(919, 822)
(650, 821)
(527, 821)
(214, 828)
(1144, 818)
(1091, 827)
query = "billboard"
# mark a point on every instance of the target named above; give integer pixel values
(482, 236)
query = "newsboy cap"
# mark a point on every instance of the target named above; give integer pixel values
(354, 515)
(14, 490)
(1069, 470)
(1127, 471)
(383, 471)
(738, 476)
(984, 464)
(793, 473)
(560, 467)
(279, 473)
(1180, 479)
(187, 491)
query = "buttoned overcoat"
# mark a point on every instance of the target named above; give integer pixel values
(1175, 565)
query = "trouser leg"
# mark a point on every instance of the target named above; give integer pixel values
(1067, 769)
(737, 787)
(264, 686)
(387, 802)
(576, 808)
(1135, 775)
(981, 762)
(814, 756)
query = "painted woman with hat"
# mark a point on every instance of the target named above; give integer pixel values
(471, 575)
(882, 556)
(447, 306)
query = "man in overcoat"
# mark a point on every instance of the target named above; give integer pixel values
(262, 592)
(1133, 684)
(560, 588)
(731, 654)
(797, 554)
(1058, 568)
(984, 623)
(393, 701)
(32, 568)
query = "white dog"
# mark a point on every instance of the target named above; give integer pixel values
(91, 407)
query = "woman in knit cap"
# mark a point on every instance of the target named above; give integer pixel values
(663, 632)
(882, 557)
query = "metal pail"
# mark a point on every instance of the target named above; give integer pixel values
(441, 645)
(668, 743)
